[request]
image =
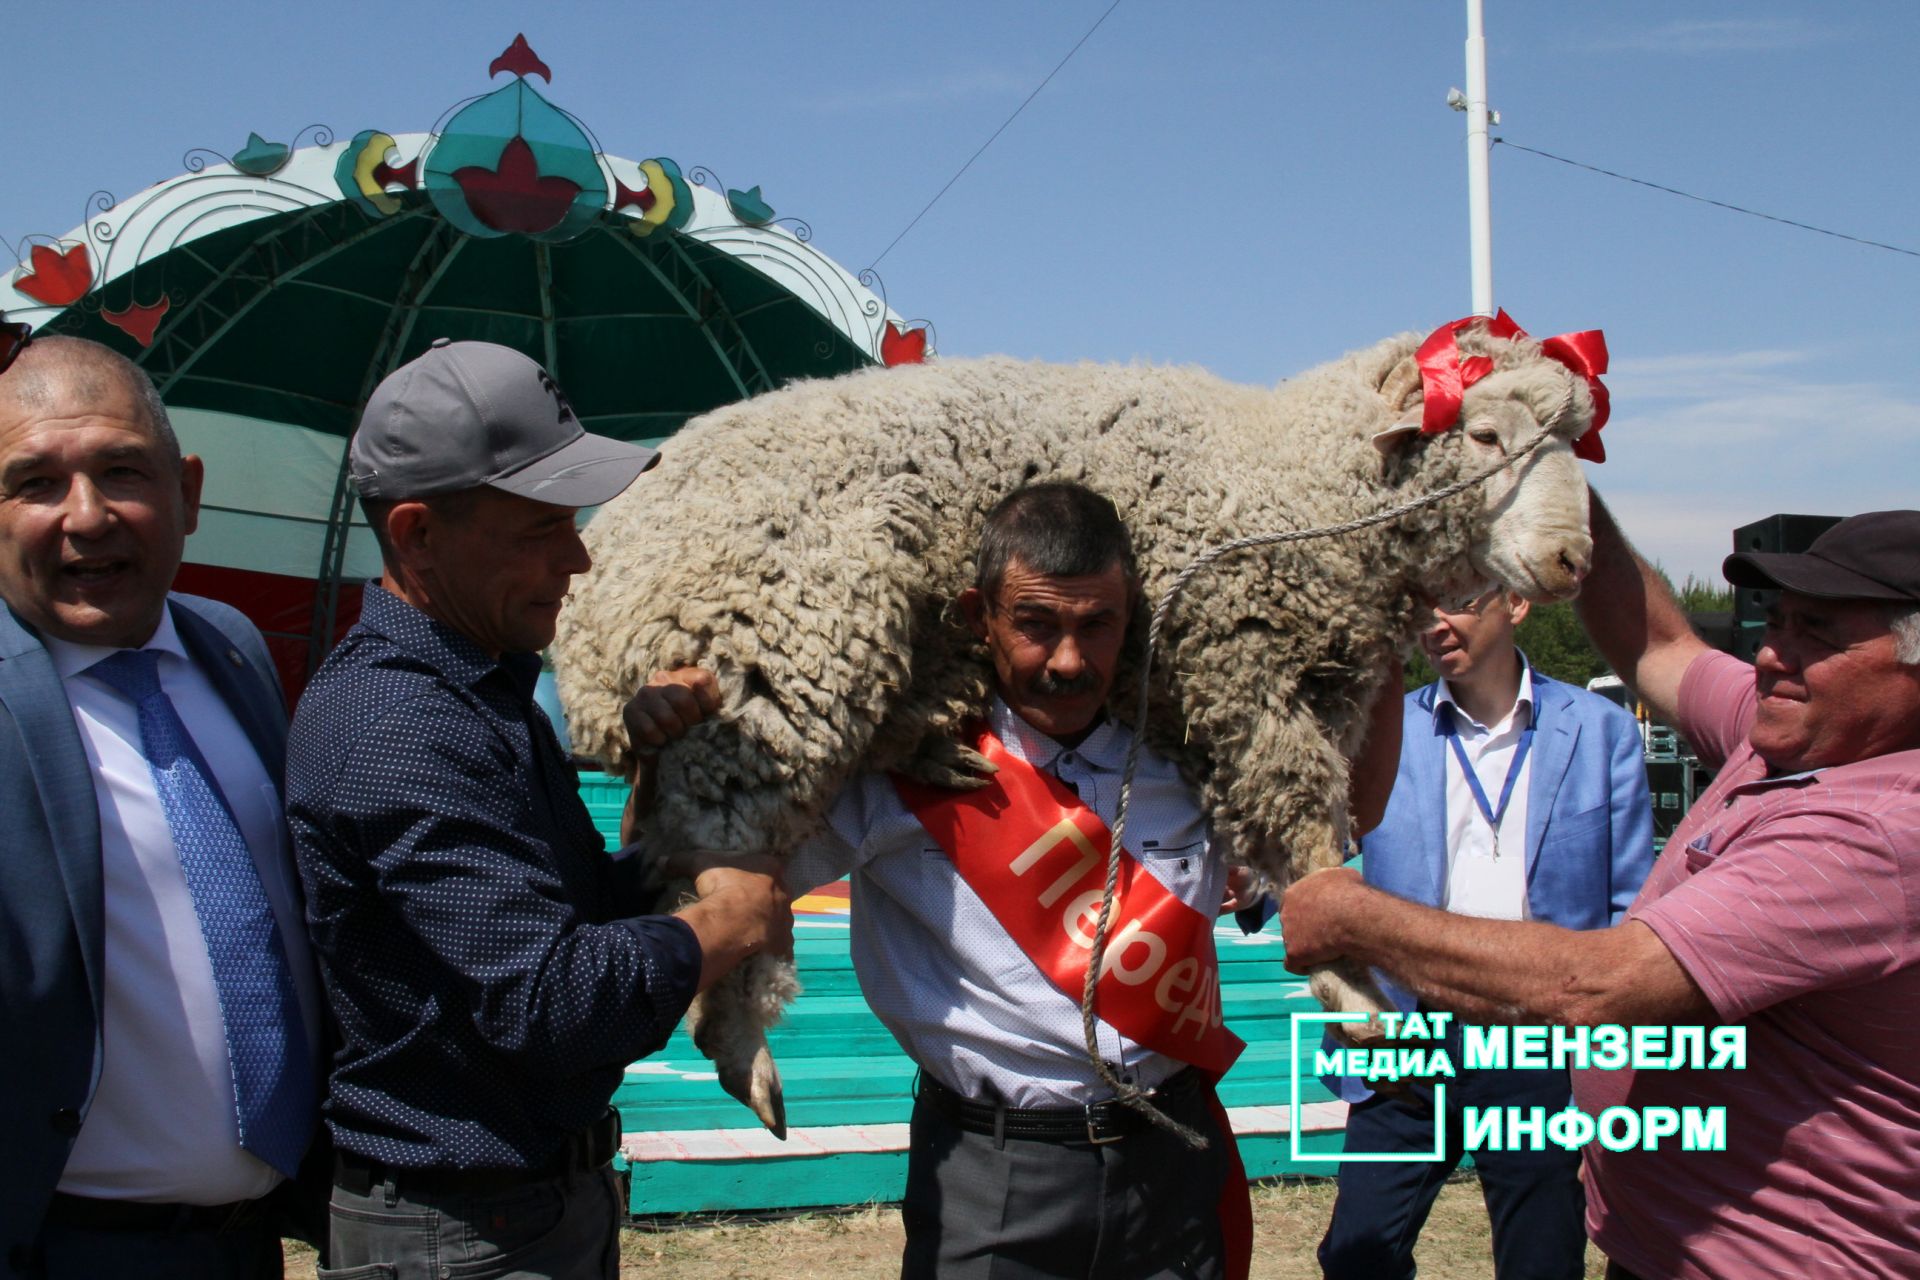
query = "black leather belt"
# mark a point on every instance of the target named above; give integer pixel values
(583, 1151)
(89, 1214)
(1097, 1122)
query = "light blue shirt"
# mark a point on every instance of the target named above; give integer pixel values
(959, 995)
(162, 1124)
(1487, 869)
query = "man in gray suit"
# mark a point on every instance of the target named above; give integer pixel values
(158, 1006)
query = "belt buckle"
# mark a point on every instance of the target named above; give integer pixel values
(1093, 1131)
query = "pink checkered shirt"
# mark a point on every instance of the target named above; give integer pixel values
(1794, 903)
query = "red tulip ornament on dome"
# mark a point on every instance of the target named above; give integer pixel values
(903, 346)
(139, 320)
(57, 277)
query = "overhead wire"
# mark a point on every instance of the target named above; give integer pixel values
(1719, 204)
(996, 133)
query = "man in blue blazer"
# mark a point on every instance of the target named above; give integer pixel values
(1518, 797)
(146, 888)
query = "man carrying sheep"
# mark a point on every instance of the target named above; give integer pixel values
(1787, 902)
(972, 915)
(488, 963)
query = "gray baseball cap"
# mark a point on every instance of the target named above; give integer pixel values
(466, 414)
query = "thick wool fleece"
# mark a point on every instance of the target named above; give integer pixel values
(808, 546)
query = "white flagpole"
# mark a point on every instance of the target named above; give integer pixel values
(1479, 200)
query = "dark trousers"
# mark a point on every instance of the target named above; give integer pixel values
(1534, 1198)
(248, 1252)
(1143, 1208)
(561, 1228)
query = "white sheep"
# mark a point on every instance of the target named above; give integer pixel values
(807, 545)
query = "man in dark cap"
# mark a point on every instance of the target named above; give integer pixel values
(1786, 905)
(488, 962)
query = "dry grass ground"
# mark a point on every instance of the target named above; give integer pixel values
(1288, 1220)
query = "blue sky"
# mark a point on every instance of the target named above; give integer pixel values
(1252, 187)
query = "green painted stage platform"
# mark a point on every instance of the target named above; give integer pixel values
(690, 1148)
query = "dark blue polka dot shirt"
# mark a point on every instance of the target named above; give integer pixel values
(481, 951)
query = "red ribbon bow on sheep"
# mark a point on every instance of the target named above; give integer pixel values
(1445, 377)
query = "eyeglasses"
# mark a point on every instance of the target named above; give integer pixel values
(1472, 607)
(14, 337)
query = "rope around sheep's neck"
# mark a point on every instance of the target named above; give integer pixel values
(1132, 1095)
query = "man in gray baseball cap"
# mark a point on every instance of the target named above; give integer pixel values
(490, 965)
(467, 414)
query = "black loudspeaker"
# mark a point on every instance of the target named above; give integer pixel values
(1750, 605)
(1672, 785)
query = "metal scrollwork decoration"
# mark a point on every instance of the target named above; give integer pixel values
(197, 159)
(874, 284)
(322, 136)
(102, 201)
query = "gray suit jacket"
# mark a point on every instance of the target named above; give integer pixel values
(51, 909)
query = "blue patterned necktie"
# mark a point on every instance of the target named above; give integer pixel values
(267, 1050)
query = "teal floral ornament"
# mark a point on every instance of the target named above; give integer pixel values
(511, 163)
(749, 207)
(260, 157)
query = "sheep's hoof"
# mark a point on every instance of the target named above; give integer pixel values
(1358, 1035)
(759, 1091)
(945, 762)
(954, 781)
(1346, 988)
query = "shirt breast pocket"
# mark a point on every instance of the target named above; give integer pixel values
(1700, 854)
(1182, 868)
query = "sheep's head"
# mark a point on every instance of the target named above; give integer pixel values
(1530, 533)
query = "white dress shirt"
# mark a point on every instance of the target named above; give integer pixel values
(162, 1124)
(1478, 882)
(938, 969)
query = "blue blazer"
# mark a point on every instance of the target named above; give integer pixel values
(1589, 817)
(51, 908)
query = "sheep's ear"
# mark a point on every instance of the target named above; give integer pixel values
(1400, 436)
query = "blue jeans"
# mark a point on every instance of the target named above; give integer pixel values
(562, 1228)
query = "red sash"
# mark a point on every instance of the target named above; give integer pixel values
(1037, 857)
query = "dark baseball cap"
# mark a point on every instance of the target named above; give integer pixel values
(1873, 556)
(466, 414)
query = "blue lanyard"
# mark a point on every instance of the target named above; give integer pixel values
(1487, 811)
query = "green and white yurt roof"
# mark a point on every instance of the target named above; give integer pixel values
(266, 292)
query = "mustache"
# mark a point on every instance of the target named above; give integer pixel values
(1049, 685)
